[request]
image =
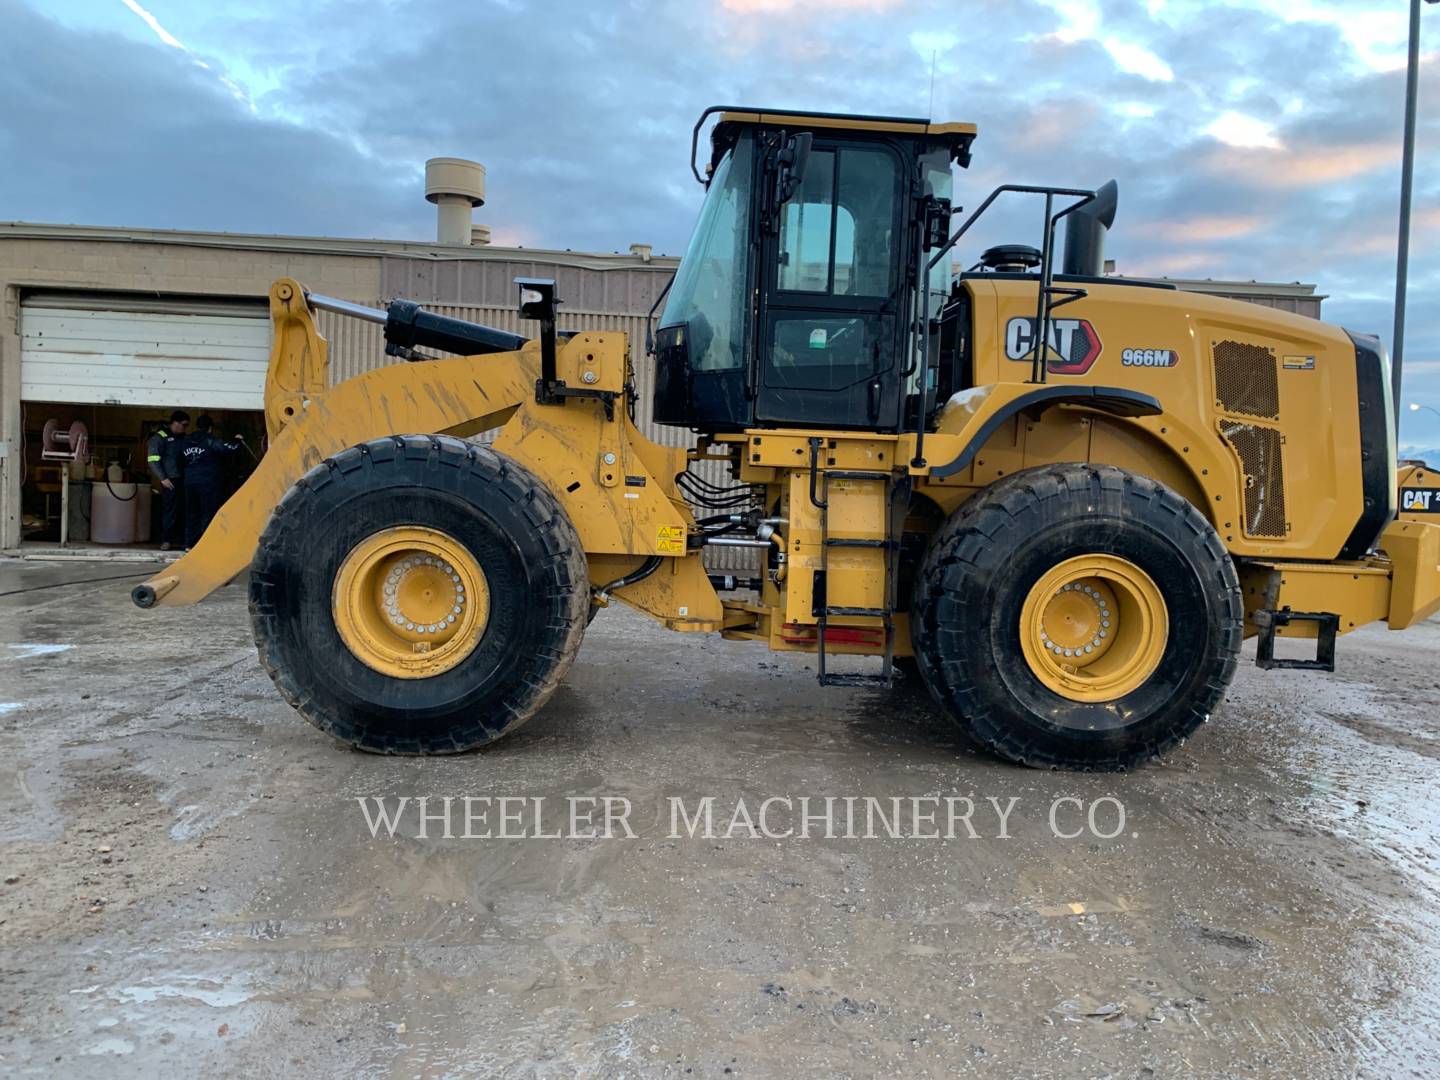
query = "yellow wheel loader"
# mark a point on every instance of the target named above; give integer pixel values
(1061, 500)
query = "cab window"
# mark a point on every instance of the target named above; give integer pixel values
(837, 231)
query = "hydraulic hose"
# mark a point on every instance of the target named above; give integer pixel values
(648, 567)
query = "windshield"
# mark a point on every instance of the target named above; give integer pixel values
(709, 291)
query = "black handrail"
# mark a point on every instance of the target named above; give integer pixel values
(1044, 302)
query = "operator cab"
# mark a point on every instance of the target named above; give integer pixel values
(795, 301)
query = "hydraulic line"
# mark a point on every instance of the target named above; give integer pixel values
(648, 567)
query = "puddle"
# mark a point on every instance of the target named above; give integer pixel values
(210, 993)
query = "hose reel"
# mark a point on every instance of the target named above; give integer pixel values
(65, 445)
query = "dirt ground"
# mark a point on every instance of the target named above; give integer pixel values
(190, 884)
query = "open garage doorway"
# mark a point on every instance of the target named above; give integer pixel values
(116, 366)
(111, 502)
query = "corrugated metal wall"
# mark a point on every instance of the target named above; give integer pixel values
(357, 346)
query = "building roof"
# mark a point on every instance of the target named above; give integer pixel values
(339, 245)
(1295, 289)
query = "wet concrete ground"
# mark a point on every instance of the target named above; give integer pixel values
(190, 885)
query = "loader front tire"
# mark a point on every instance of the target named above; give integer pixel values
(418, 595)
(1077, 616)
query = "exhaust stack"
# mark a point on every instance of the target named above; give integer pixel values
(1085, 233)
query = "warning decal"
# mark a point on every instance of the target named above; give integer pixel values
(670, 539)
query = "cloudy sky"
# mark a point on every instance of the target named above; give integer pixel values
(1252, 139)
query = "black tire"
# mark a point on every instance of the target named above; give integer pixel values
(534, 567)
(965, 619)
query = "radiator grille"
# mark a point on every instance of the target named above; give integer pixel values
(1261, 459)
(1245, 380)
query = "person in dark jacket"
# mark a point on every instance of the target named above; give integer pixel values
(162, 457)
(204, 456)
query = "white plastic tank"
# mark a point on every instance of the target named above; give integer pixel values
(113, 516)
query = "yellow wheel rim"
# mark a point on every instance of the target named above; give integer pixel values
(410, 602)
(1094, 628)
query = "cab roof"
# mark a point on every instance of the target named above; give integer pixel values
(957, 135)
(899, 125)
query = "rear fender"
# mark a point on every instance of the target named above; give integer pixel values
(971, 417)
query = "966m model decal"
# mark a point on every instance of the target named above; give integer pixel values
(1149, 357)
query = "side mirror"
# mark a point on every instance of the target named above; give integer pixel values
(936, 216)
(790, 165)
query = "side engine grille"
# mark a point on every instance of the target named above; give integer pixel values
(1259, 451)
(1245, 379)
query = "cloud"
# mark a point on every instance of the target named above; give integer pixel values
(1209, 229)
(115, 132)
(1254, 139)
(809, 7)
(1138, 60)
(1236, 129)
(1283, 167)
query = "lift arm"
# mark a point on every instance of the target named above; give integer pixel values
(308, 423)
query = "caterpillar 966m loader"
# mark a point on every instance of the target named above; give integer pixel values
(1067, 497)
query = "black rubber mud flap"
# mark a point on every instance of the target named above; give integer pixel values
(519, 535)
(970, 590)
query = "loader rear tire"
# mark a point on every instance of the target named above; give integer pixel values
(1077, 616)
(431, 515)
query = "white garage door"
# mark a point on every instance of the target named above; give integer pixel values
(210, 356)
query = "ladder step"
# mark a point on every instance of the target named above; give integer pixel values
(853, 679)
(867, 612)
(844, 541)
(857, 474)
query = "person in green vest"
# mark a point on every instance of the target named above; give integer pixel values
(165, 460)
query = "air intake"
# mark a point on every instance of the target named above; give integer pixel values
(1261, 460)
(1245, 380)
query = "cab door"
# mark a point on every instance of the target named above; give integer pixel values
(829, 349)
